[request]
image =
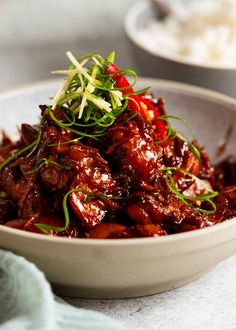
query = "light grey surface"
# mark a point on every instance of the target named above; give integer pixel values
(31, 46)
(207, 304)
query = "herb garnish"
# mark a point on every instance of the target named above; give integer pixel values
(90, 95)
(32, 147)
(90, 196)
(172, 131)
(208, 197)
(46, 161)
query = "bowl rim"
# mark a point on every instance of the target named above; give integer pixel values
(27, 88)
(129, 24)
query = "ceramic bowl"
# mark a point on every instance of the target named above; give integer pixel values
(129, 267)
(172, 67)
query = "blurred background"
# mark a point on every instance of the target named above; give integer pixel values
(34, 35)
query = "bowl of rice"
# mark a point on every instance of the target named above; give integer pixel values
(195, 44)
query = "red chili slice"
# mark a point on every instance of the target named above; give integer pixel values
(140, 104)
(121, 81)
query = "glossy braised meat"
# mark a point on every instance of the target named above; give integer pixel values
(8, 210)
(37, 183)
(226, 172)
(6, 145)
(117, 187)
(131, 150)
(92, 176)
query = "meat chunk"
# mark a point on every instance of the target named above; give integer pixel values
(226, 172)
(32, 202)
(6, 145)
(111, 230)
(52, 220)
(131, 149)
(93, 187)
(55, 178)
(107, 230)
(28, 133)
(167, 210)
(12, 181)
(226, 203)
(8, 210)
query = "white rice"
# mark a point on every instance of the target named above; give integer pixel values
(204, 32)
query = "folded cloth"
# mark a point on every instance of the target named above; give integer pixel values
(27, 301)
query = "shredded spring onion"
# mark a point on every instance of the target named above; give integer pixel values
(172, 131)
(89, 95)
(90, 196)
(208, 197)
(45, 161)
(31, 148)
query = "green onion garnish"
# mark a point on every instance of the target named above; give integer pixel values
(46, 161)
(90, 96)
(185, 198)
(32, 147)
(90, 196)
(172, 131)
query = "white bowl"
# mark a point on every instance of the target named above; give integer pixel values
(172, 67)
(130, 267)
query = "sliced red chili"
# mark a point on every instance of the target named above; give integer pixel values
(140, 104)
(121, 81)
(151, 113)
